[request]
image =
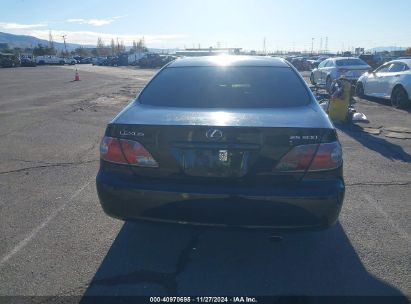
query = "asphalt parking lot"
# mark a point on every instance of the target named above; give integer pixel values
(55, 239)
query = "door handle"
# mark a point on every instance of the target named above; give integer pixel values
(398, 75)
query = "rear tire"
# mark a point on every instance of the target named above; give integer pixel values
(399, 98)
(359, 90)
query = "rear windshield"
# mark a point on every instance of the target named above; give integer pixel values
(346, 62)
(226, 87)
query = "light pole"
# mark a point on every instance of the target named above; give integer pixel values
(65, 46)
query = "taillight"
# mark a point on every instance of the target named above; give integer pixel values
(298, 159)
(313, 157)
(124, 151)
(328, 156)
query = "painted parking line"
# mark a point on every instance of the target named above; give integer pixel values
(23, 243)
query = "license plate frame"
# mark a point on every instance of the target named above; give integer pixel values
(215, 162)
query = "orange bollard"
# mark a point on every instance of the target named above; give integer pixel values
(76, 76)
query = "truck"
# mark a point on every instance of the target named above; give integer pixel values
(50, 59)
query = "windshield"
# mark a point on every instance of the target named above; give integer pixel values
(227, 87)
(347, 62)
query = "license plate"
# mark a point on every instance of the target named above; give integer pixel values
(214, 163)
(223, 155)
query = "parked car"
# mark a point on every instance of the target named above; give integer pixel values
(300, 63)
(86, 60)
(168, 58)
(224, 141)
(27, 62)
(98, 60)
(8, 60)
(315, 61)
(133, 58)
(391, 80)
(49, 59)
(119, 60)
(372, 60)
(329, 70)
(109, 61)
(151, 60)
(70, 61)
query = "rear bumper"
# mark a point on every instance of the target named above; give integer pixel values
(310, 204)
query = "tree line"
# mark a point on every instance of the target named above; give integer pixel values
(115, 47)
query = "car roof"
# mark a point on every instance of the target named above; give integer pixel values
(406, 61)
(342, 58)
(229, 60)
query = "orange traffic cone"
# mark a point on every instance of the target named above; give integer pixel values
(76, 76)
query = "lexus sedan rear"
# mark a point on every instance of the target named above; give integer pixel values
(223, 141)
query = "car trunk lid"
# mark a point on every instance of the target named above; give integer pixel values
(236, 145)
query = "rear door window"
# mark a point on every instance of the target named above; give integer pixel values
(397, 67)
(384, 68)
(322, 64)
(226, 87)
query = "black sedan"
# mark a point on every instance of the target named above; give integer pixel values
(223, 141)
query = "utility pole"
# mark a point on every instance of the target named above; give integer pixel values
(321, 45)
(312, 46)
(65, 46)
(326, 44)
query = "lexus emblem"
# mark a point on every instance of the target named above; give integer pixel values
(214, 134)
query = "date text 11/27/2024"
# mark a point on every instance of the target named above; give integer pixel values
(203, 300)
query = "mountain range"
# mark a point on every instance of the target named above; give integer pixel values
(24, 41)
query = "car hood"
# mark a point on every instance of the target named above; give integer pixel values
(309, 116)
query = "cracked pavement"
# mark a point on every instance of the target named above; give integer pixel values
(56, 240)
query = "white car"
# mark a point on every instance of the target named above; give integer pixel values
(333, 68)
(392, 80)
(70, 61)
(49, 59)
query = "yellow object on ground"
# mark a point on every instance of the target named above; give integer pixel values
(338, 107)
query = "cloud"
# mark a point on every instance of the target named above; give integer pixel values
(90, 38)
(18, 26)
(95, 22)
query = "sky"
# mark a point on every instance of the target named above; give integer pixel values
(249, 24)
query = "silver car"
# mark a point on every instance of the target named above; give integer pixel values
(333, 68)
(390, 81)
